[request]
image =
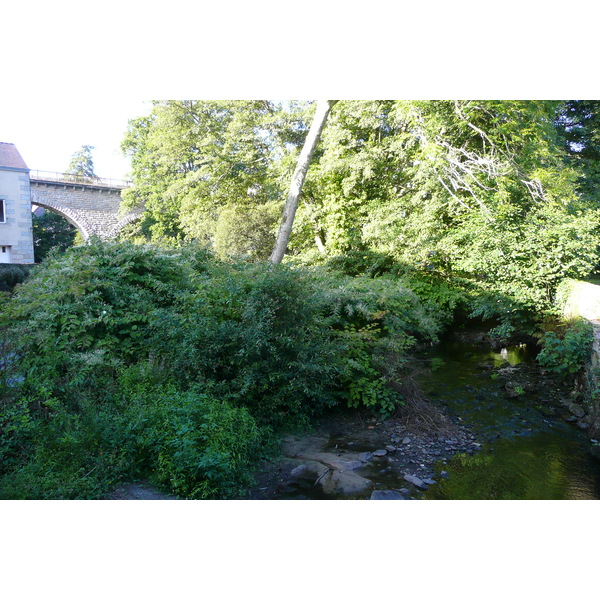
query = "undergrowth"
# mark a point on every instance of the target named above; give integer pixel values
(122, 361)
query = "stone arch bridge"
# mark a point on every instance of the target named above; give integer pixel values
(93, 205)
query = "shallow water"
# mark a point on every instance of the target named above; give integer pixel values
(529, 451)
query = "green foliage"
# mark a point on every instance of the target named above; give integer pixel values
(361, 262)
(190, 443)
(379, 321)
(51, 231)
(247, 231)
(365, 384)
(578, 124)
(480, 196)
(122, 361)
(567, 354)
(11, 275)
(192, 158)
(185, 442)
(441, 295)
(82, 164)
(437, 363)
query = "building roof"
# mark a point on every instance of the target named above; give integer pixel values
(10, 157)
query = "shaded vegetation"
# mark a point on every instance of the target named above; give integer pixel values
(51, 231)
(133, 361)
(11, 275)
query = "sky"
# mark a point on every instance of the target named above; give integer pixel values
(48, 132)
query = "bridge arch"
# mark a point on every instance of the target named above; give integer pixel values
(91, 205)
(129, 218)
(67, 213)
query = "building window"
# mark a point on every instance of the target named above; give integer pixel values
(2, 214)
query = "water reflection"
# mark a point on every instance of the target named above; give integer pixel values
(543, 466)
(526, 455)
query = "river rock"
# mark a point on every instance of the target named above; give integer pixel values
(333, 461)
(380, 453)
(365, 456)
(429, 481)
(336, 482)
(406, 440)
(390, 448)
(395, 438)
(576, 409)
(349, 465)
(416, 481)
(299, 470)
(386, 495)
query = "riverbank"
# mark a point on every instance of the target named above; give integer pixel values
(356, 456)
(492, 425)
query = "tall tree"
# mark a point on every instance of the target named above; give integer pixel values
(82, 164)
(51, 231)
(291, 205)
(191, 159)
(578, 122)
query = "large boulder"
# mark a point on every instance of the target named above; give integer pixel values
(386, 495)
(338, 482)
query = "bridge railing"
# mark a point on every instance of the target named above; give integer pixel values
(68, 178)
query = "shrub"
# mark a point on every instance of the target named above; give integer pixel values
(255, 334)
(568, 354)
(362, 262)
(191, 443)
(11, 275)
(185, 442)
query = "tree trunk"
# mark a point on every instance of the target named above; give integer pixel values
(291, 204)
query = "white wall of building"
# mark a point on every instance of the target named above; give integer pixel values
(16, 232)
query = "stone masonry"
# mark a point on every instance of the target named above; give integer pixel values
(582, 299)
(93, 209)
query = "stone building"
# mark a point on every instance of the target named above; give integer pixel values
(16, 232)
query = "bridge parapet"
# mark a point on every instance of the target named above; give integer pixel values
(68, 179)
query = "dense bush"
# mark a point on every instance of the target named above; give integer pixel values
(568, 353)
(186, 442)
(124, 361)
(11, 274)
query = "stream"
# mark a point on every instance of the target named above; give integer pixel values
(519, 440)
(531, 446)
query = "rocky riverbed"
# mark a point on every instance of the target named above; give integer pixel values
(350, 457)
(474, 404)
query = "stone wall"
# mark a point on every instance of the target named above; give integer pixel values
(582, 299)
